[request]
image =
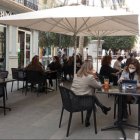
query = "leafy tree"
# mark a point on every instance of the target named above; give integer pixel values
(42, 39)
(53, 39)
(119, 42)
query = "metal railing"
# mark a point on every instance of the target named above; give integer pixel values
(28, 4)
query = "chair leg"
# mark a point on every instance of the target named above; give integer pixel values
(6, 93)
(82, 117)
(69, 123)
(94, 117)
(26, 88)
(23, 87)
(4, 106)
(4, 103)
(56, 83)
(115, 106)
(61, 117)
(129, 109)
(18, 85)
(38, 89)
(12, 86)
(46, 87)
(115, 110)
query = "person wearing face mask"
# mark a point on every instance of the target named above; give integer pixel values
(130, 72)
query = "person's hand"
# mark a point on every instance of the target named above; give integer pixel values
(114, 74)
(121, 79)
(125, 68)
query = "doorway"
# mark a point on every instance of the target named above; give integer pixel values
(2, 48)
(24, 50)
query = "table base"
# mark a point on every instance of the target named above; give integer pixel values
(119, 125)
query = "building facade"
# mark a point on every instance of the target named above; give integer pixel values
(17, 45)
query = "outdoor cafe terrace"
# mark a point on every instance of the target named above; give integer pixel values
(37, 117)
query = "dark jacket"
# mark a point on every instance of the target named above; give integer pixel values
(35, 67)
(55, 66)
(106, 71)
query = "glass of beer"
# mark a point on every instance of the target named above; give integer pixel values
(106, 84)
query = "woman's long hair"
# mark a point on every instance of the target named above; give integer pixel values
(35, 60)
(86, 69)
(106, 60)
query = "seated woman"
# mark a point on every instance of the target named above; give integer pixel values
(130, 72)
(84, 83)
(68, 68)
(55, 65)
(118, 63)
(35, 65)
(107, 71)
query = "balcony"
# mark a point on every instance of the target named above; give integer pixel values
(28, 4)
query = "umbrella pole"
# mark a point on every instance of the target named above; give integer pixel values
(98, 51)
(75, 40)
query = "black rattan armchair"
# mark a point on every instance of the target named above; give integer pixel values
(18, 75)
(35, 78)
(3, 76)
(2, 95)
(74, 103)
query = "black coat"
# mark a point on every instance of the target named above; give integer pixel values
(106, 71)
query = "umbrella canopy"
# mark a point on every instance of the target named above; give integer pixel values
(77, 21)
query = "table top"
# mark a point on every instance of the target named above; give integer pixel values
(50, 71)
(115, 90)
(6, 80)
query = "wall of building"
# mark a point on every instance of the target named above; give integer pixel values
(12, 36)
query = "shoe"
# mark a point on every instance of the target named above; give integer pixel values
(124, 119)
(87, 124)
(106, 109)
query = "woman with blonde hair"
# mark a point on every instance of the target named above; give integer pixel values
(85, 83)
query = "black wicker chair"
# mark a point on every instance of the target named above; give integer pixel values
(3, 76)
(35, 78)
(2, 95)
(18, 75)
(73, 103)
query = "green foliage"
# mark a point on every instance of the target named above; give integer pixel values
(42, 39)
(119, 42)
(86, 41)
(58, 40)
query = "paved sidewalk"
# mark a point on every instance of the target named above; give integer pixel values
(35, 117)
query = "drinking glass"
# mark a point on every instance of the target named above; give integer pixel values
(106, 84)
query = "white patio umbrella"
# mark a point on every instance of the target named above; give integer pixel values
(77, 21)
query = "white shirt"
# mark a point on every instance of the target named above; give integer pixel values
(117, 65)
(85, 85)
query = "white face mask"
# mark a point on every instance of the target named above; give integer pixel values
(132, 70)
